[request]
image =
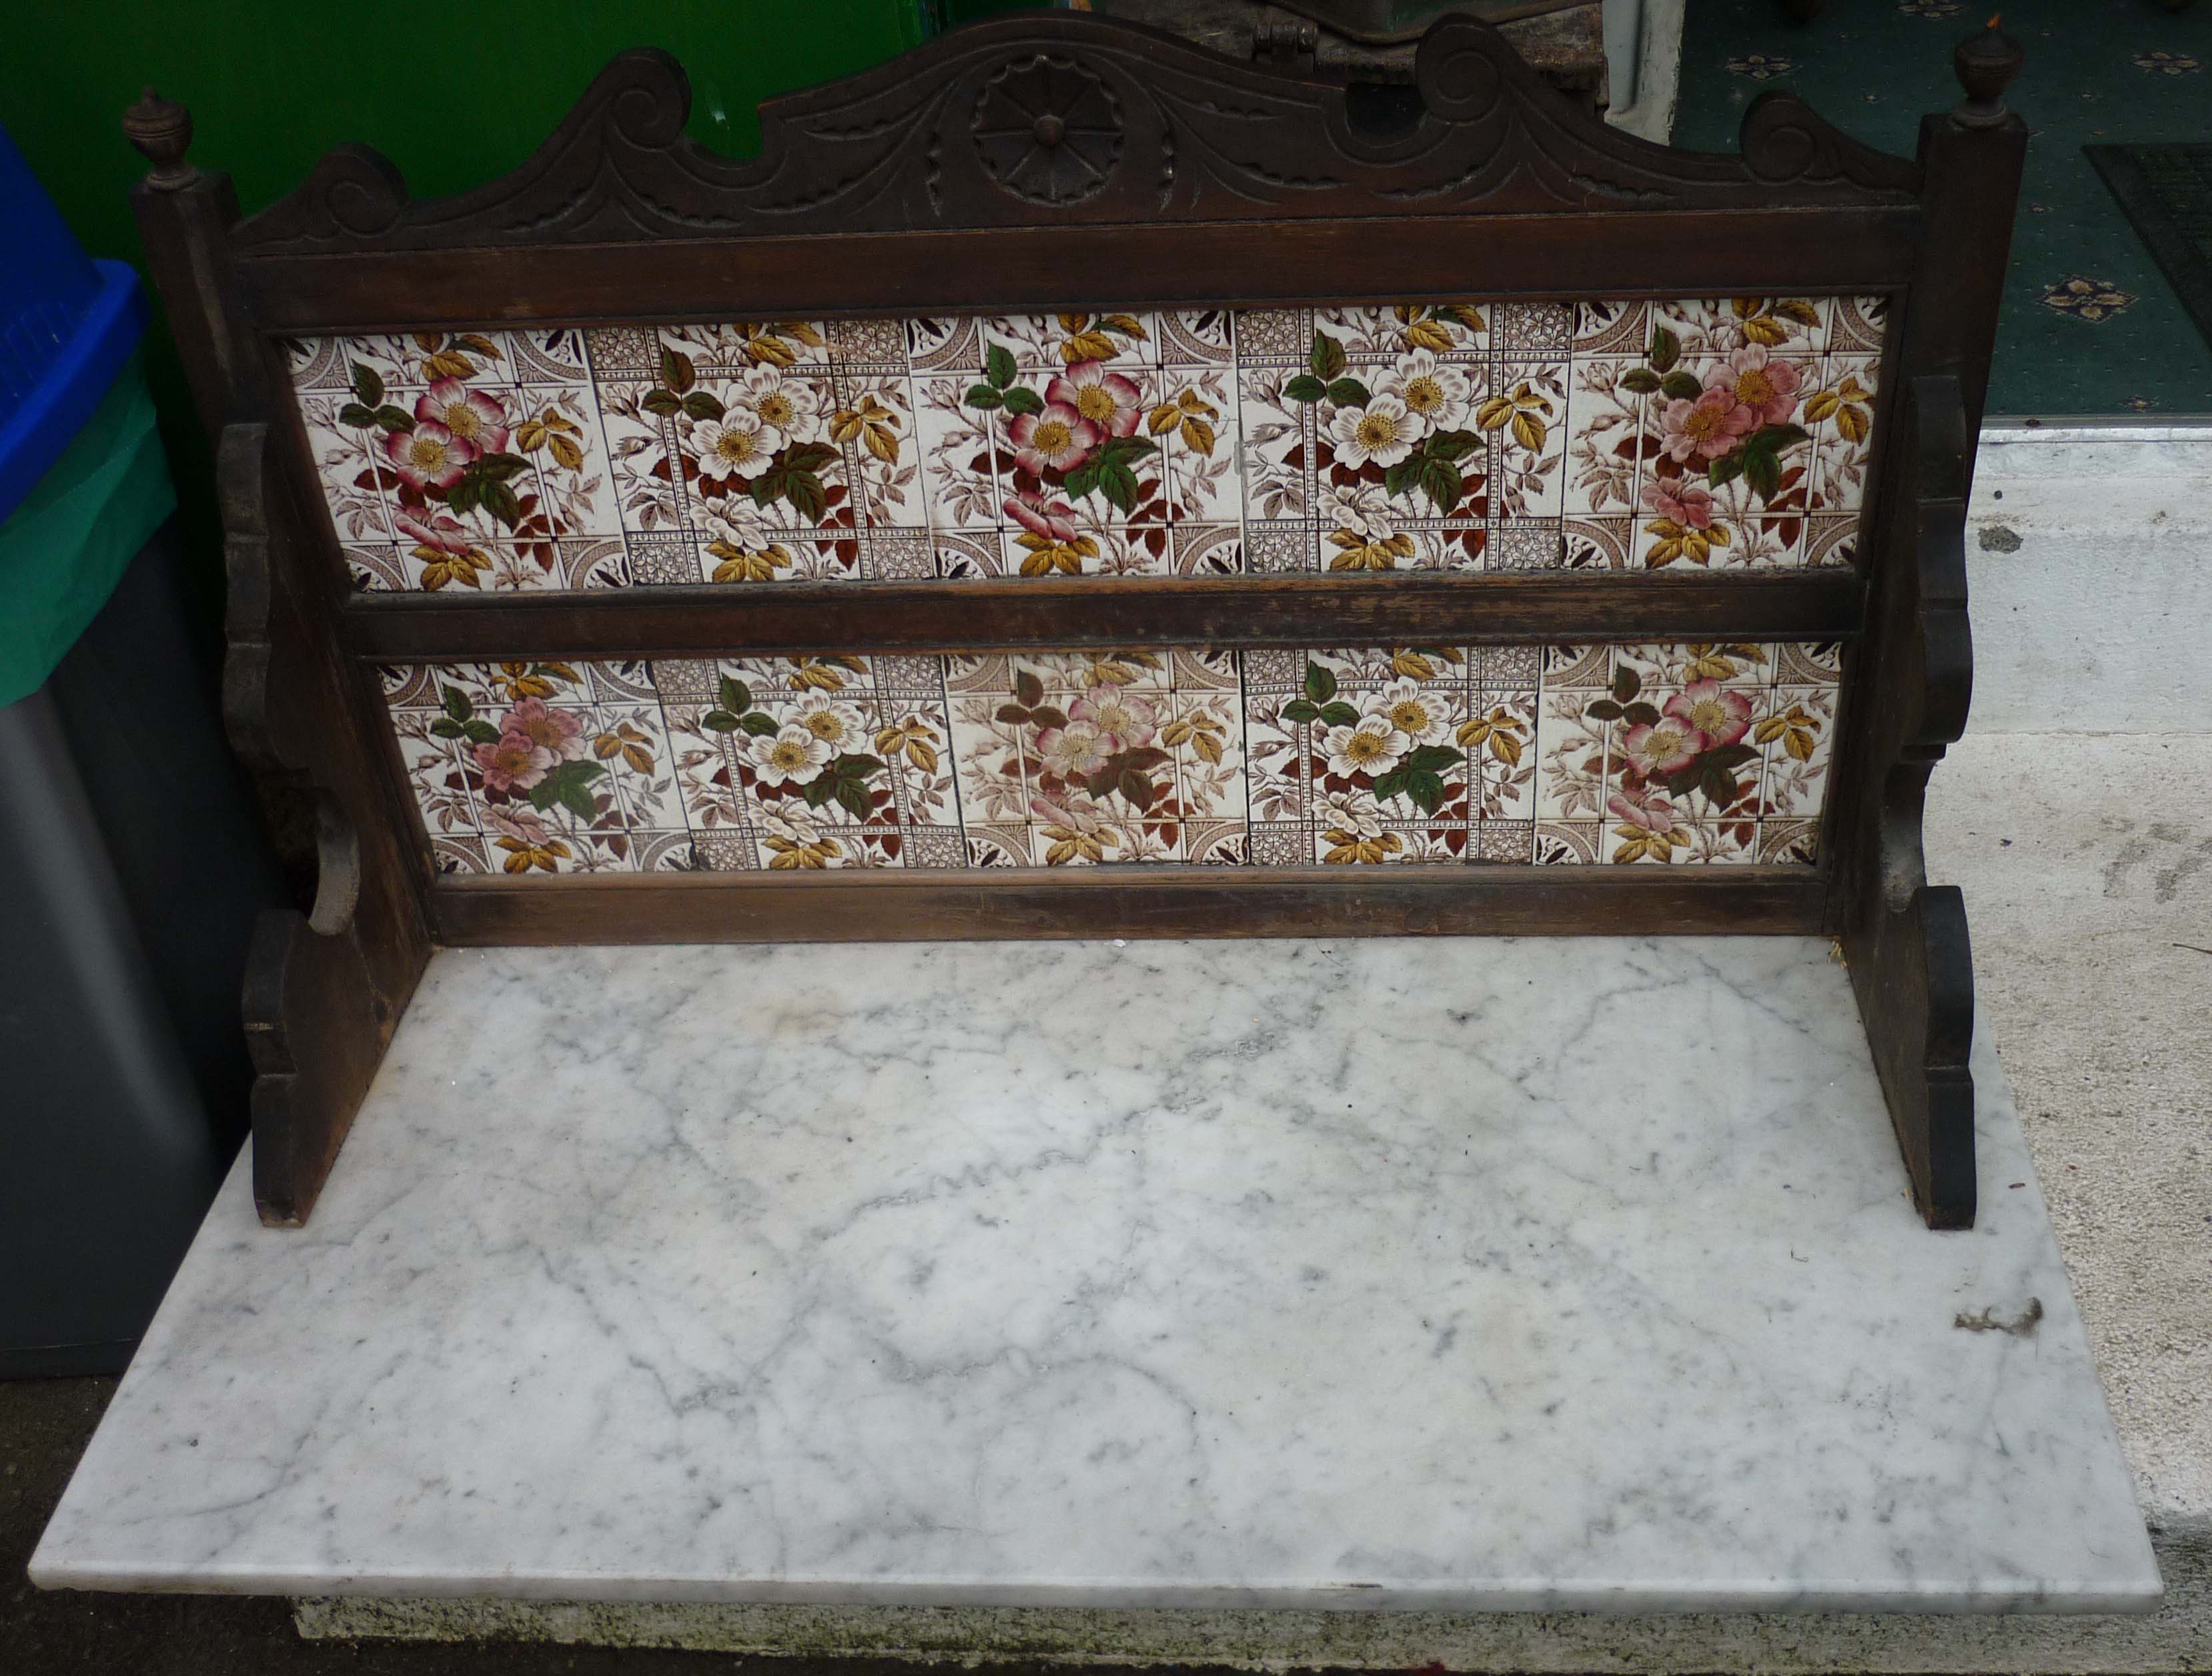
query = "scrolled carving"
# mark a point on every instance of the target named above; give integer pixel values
(1048, 129)
(1459, 78)
(648, 100)
(354, 196)
(1786, 142)
(1074, 118)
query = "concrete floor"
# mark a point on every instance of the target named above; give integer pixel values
(2092, 960)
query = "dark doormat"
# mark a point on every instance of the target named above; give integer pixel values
(2166, 193)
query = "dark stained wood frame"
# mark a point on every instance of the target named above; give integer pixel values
(1223, 185)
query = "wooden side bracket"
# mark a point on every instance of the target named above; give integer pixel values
(324, 989)
(325, 982)
(1906, 942)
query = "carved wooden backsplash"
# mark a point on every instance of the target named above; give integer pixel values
(1729, 433)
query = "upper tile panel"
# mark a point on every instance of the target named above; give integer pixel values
(1704, 433)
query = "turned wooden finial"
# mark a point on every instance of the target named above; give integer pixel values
(1986, 63)
(161, 129)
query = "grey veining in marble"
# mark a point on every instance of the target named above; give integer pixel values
(1453, 1274)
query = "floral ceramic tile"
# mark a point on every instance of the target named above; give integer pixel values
(1671, 752)
(1726, 433)
(1387, 755)
(540, 767)
(1840, 413)
(1395, 449)
(812, 762)
(1073, 758)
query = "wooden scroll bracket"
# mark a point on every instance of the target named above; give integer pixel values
(1907, 943)
(1913, 671)
(324, 989)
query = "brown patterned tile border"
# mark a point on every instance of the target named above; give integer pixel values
(1728, 433)
(1341, 757)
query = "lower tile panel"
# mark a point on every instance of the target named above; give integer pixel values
(1645, 753)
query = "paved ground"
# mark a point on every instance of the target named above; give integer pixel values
(2087, 863)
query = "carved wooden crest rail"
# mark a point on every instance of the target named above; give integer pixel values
(1072, 485)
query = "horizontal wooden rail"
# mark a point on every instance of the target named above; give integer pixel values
(1226, 611)
(1213, 266)
(1137, 901)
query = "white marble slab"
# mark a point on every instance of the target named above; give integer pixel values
(1457, 1275)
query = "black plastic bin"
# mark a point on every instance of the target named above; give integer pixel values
(131, 867)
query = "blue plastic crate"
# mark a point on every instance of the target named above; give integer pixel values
(67, 324)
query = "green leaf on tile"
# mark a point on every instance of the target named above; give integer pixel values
(1327, 359)
(569, 784)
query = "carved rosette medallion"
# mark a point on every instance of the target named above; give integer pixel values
(1048, 129)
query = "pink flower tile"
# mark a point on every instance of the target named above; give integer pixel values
(1598, 435)
(523, 765)
(1673, 752)
(1077, 760)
